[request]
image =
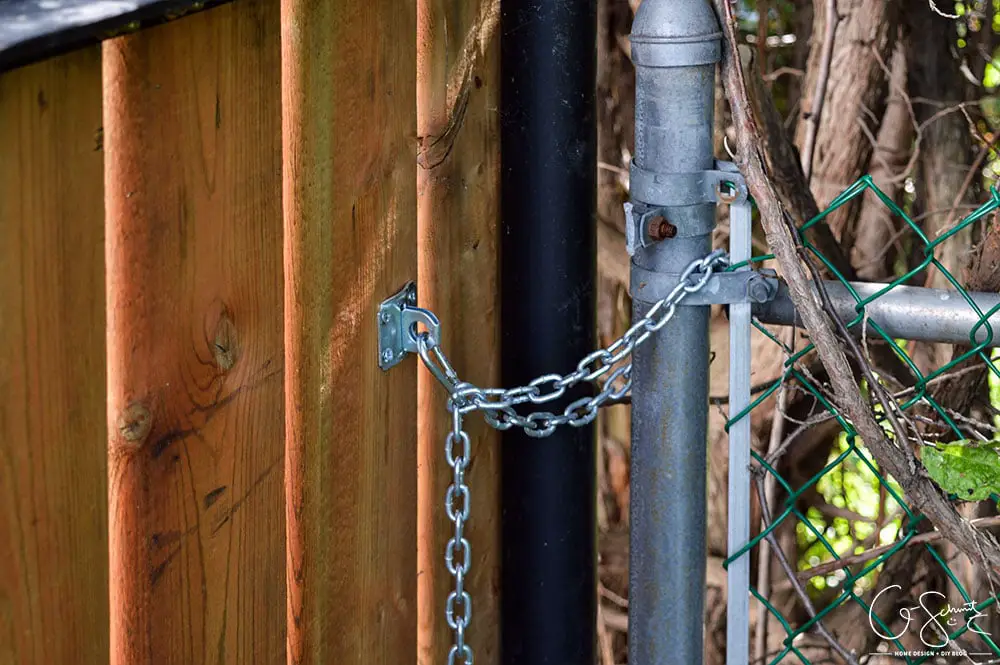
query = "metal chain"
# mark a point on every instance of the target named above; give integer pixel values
(458, 553)
(497, 406)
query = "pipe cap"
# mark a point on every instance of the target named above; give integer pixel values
(675, 33)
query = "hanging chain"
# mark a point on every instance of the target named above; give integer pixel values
(497, 406)
(458, 553)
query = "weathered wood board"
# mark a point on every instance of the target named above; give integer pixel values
(349, 81)
(53, 466)
(458, 197)
(192, 127)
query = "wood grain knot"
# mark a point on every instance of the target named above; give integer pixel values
(402, 607)
(135, 422)
(224, 345)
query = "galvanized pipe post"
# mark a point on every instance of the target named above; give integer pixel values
(675, 47)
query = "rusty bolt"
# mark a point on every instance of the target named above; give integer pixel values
(660, 228)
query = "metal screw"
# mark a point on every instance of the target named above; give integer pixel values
(411, 297)
(387, 356)
(660, 229)
(384, 318)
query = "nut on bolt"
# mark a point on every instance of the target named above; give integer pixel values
(759, 290)
(659, 228)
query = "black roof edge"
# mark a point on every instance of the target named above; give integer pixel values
(33, 30)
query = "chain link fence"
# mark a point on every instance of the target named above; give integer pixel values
(839, 541)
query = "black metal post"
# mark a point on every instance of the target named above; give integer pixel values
(548, 265)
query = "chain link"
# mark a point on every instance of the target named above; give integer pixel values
(497, 406)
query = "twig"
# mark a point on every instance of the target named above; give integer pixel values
(783, 71)
(918, 127)
(614, 169)
(616, 620)
(763, 9)
(608, 594)
(898, 460)
(966, 184)
(874, 553)
(823, 77)
(770, 483)
(934, 8)
(604, 638)
(796, 584)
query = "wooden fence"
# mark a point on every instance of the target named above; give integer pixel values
(200, 460)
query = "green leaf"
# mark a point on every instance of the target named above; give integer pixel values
(970, 472)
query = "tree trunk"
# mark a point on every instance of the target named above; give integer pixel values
(802, 22)
(837, 145)
(877, 240)
(937, 87)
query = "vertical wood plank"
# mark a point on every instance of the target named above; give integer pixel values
(193, 176)
(53, 469)
(458, 203)
(349, 107)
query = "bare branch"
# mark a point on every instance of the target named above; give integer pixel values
(874, 553)
(934, 8)
(796, 584)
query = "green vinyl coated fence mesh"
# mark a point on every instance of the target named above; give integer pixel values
(864, 559)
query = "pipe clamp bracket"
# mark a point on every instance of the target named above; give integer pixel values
(724, 288)
(654, 193)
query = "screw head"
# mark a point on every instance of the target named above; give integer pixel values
(411, 297)
(384, 318)
(387, 356)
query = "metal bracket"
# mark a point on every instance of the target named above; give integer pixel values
(723, 288)
(653, 193)
(723, 184)
(398, 317)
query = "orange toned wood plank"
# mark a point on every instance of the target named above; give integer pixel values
(53, 467)
(458, 200)
(193, 149)
(350, 241)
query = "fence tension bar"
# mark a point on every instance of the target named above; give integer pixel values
(738, 533)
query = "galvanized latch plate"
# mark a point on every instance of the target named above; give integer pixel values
(398, 317)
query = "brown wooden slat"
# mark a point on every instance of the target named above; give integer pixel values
(192, 130)
(53, 467)
(350, 241)
(458, 199)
